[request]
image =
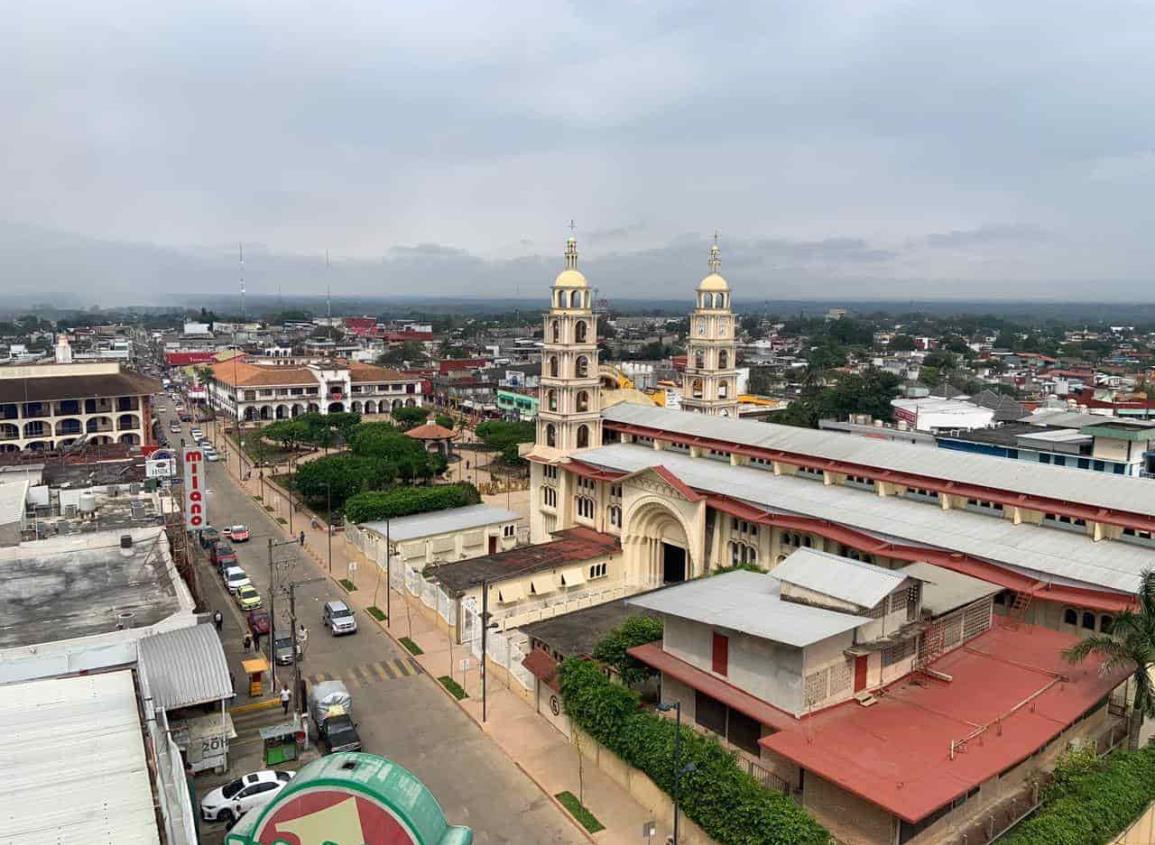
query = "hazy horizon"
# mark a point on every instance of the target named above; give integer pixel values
(874, 150)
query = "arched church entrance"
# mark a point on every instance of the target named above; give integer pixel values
(657, 547)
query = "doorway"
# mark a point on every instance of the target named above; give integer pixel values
(673, 564)
(492, 545)
(860, 663)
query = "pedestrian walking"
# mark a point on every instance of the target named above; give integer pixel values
(248, 642)
(285, 695)
(218, 620)
(256, 640)
(301, 538)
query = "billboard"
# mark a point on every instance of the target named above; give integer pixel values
(195, 506)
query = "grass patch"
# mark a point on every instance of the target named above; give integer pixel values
(376, 612)
(413, 648)
(455, 689)
(261, 451)
(348, 585)
(257, 498)
(269, 508)
(282, 520)
(585, 818)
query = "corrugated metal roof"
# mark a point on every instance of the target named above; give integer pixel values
(441, 522)
(944, 590)
(1050, 554)
(862, 584)
(748, 602)
(74, 766)
(1132, 495)
(186, 666)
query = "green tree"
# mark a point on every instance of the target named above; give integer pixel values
(404, 354)
(404, 501)
(409, 418)
(445, 421)
(288, 433)
(337, 477)
(1130, 644)
(902, 343)
(504, 437)
(613, 647)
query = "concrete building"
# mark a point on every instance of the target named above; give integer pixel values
(256, 389)
(58, 406)
(437, 537)
(891, 706)
(934, 414)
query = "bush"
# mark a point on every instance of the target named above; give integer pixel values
(403, 501)
(728, 804)
(1091, 801)
(455, 689)
(445, 421)
(635, 631)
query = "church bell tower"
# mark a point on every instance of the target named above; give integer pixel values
(710, 383)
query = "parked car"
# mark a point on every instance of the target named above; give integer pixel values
(248, 597)
(259, 622)
(223, 556)
(229, 802)
(338, 618)
(210, 453)
(283, 650)
(235, 578)
(209, 537)
(236, 533)
(174, 428)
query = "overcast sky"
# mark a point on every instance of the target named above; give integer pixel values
(866, 149)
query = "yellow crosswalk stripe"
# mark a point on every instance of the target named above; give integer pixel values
(378, 671)
(401, 667)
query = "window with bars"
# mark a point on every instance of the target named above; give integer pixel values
(976, 619)
(899, 601)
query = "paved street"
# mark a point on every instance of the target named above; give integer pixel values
(402, 714)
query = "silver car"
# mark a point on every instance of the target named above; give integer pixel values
(338, 618)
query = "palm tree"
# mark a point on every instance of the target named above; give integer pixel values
(1130, 643)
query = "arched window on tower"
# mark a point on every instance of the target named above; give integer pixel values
(560, 299)
(700, 359)
(583, 401)
(580, 330)
(696, 388)
(723, 389)
(551, 435)
(551, 400)
(583, 367)
(704, 300)
(555, 331)
(583, 437)
(553, 366)
(723, 360)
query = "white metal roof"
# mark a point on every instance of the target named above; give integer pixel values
(748, 602)
(863, 584)
(185, 667)
(944, 590)
(1051, 554)
(73, 763)
(13, 496)
(441, 522)
(1133, 495)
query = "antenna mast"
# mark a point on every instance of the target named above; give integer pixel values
(241, 250)
(328, 293)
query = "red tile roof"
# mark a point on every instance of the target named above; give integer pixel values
(653, 655)
(543, 667)
(897, 752)
(430, 431)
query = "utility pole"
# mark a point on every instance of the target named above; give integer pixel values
(484, 640)
(388, 575)
(296, 657)
(329, 522)
(272, 612)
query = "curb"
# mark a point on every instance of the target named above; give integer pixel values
(255, 706)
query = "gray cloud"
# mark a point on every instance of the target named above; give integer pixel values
(874, 145)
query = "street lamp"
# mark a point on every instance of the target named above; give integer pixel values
(679, 769)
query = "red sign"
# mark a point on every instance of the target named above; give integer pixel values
(315, 817)
(195, 506)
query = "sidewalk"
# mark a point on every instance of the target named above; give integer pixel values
(538, 748)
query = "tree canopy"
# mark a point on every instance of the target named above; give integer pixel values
(867, 393)
(409, 418)
(504, 437)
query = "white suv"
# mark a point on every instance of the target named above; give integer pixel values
(339, 618)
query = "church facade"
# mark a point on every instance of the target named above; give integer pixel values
(688, 492)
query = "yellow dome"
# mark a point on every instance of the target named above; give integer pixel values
(714, 282)
(570, 279)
